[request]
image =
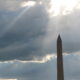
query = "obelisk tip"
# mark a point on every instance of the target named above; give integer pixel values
(59, 37)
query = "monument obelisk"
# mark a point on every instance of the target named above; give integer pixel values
(60, 71)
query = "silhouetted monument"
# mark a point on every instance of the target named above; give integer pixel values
(60, 71)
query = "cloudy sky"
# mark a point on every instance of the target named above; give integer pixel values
(28, 34)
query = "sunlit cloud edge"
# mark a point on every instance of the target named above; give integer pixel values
(45, 59)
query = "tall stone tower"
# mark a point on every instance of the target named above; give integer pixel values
(60, 71)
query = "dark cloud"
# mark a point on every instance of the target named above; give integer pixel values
(34, 33)
(33, 36)
(24, 39)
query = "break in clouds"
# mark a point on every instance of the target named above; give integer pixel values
(36, 71)
(29, 33)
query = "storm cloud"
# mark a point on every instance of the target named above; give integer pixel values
(29, 33)
(25, 37)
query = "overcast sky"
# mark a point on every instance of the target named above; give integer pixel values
(28, 34)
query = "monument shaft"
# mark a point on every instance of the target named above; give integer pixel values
(60, 72)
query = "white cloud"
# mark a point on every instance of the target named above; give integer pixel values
(62, 7)
(15, 4)
(28, 3)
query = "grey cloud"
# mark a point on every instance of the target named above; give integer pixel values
(71, 67)
(34, 34)
(9, 4)
(31, 71)
(71, 32)
(44, 71)
(24, 40)
(68, 27)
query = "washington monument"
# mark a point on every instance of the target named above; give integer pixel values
(60, 71)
